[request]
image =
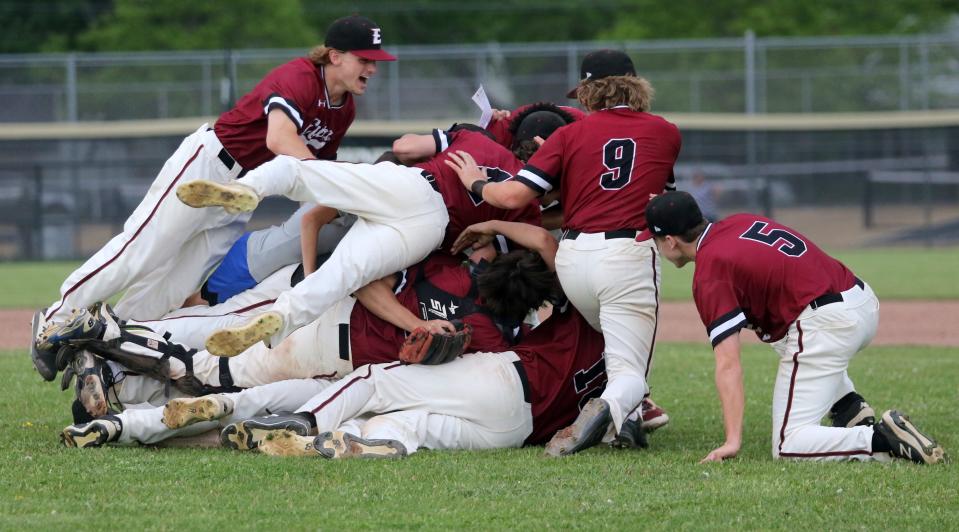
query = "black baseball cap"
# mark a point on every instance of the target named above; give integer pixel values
(359, 36)
(603, 64)
(672, 213)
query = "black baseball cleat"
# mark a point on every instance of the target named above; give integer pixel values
(44, 360)
(906, 441)
(93, 434)
(82, 325)
(337, 445)
(585, 432)
(632, 435)
(248, 434)
(851, 411)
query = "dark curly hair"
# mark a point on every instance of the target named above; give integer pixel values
(516, 283)
(545, 117)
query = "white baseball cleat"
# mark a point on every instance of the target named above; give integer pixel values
(235, 340)
(287, 443)
(233, 197)
(189, 410)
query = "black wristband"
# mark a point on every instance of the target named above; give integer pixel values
(477, 187)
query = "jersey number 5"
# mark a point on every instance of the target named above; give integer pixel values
(618, 157)
(789, 244)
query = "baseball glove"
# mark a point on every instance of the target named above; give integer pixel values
(424, 347)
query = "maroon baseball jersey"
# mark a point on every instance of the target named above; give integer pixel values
(500, 128)
(464, 207)
(563, 359)
(606, 166)
(753, 272)
(374, 340)
(298, 89)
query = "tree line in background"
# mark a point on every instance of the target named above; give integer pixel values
(134, 25)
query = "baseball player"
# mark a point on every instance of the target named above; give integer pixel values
(439, 287)
(753, 272)
(258, 254)
(504, 124)
(300, 109)
(403, 214)
(605, 166)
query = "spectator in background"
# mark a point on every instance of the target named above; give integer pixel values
(705, 195)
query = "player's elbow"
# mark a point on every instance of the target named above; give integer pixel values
(406, 148)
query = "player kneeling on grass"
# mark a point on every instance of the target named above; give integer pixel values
(753, 272)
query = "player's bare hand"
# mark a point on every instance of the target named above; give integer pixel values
(721, 453)
(500, 114)
(539, 140)
(476, 235)
(439, 326)
(465, 167)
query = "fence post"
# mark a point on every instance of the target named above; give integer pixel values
(572, 65)
(394, 90)
(71, 88)
(867, 199)
(34, 237)
(903, 76)
(924, 70)
(749, 50)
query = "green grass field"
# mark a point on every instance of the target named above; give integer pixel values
(45, 486)
(894, 273)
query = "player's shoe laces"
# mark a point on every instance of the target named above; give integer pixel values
(852, 410)
(93, 434)
(233, 197)
(654, 417)
(44, 360)
(906, 441)
(82, 325)
(235, 340)
(336, 445)
(585, 432)
(249, 434)
(189, 410)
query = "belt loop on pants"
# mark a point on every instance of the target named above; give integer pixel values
(228, 161)
(572, 234)
(828, 299)
(521, 371)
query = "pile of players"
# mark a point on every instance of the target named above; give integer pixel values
(291, 345)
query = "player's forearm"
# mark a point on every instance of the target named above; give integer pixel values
(282, 137)
(729, 385)
(310, 226)
(530, 237)
(379, 299)
(507, 194)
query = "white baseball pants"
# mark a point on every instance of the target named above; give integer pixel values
(812, 376)
(401, 219)
(473, 402)
(145, 425)
(615, 285)
(165, 248)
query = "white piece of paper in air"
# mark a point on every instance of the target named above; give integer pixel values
(486, 110)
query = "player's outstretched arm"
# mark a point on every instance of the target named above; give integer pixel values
(378, 298)
(529, 236)
(310, 226)
(729, 384)
(412, 148)
(282, 137)
(509, 194)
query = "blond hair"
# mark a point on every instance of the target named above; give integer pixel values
(319, 55)
(631, 91)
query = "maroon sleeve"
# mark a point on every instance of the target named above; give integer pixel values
(292, 90)
(718, 308)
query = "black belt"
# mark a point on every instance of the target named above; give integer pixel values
(522, 377)
(571, 234)
(828, 299)
(227, 159)
(430, 179)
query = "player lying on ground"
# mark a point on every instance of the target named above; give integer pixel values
(403, 213)
(165, 249)
(605, 166)
(491, 298)
(753, 272)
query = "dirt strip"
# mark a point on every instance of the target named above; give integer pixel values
(901, 323)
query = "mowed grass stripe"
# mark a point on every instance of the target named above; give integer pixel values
(46, 486)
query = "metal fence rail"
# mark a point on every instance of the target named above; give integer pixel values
(735, 75)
